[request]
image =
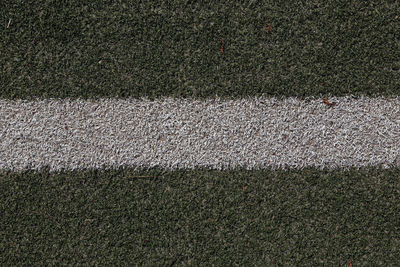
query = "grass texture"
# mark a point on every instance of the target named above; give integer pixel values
(153, 49)
(201, 217)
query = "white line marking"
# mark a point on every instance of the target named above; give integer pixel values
(250, 133)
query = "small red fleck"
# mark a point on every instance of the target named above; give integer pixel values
(222, 46)
(326, 101)
(269, 28)
(349, 262)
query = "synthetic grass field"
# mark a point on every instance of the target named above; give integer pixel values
(154, 49)
(200, 217)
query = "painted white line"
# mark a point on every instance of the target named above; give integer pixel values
(251, 133)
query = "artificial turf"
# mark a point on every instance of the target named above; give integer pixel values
(201, 217)
(153, 49)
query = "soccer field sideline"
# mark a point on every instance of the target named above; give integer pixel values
(171, 133)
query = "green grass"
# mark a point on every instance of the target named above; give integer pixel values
(150, 49)
(201, 217)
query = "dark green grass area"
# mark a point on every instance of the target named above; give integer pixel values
(151, 49)
(201, 217)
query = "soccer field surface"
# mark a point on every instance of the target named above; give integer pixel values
(242, 133)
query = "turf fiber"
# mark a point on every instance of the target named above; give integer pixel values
(154, 49)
